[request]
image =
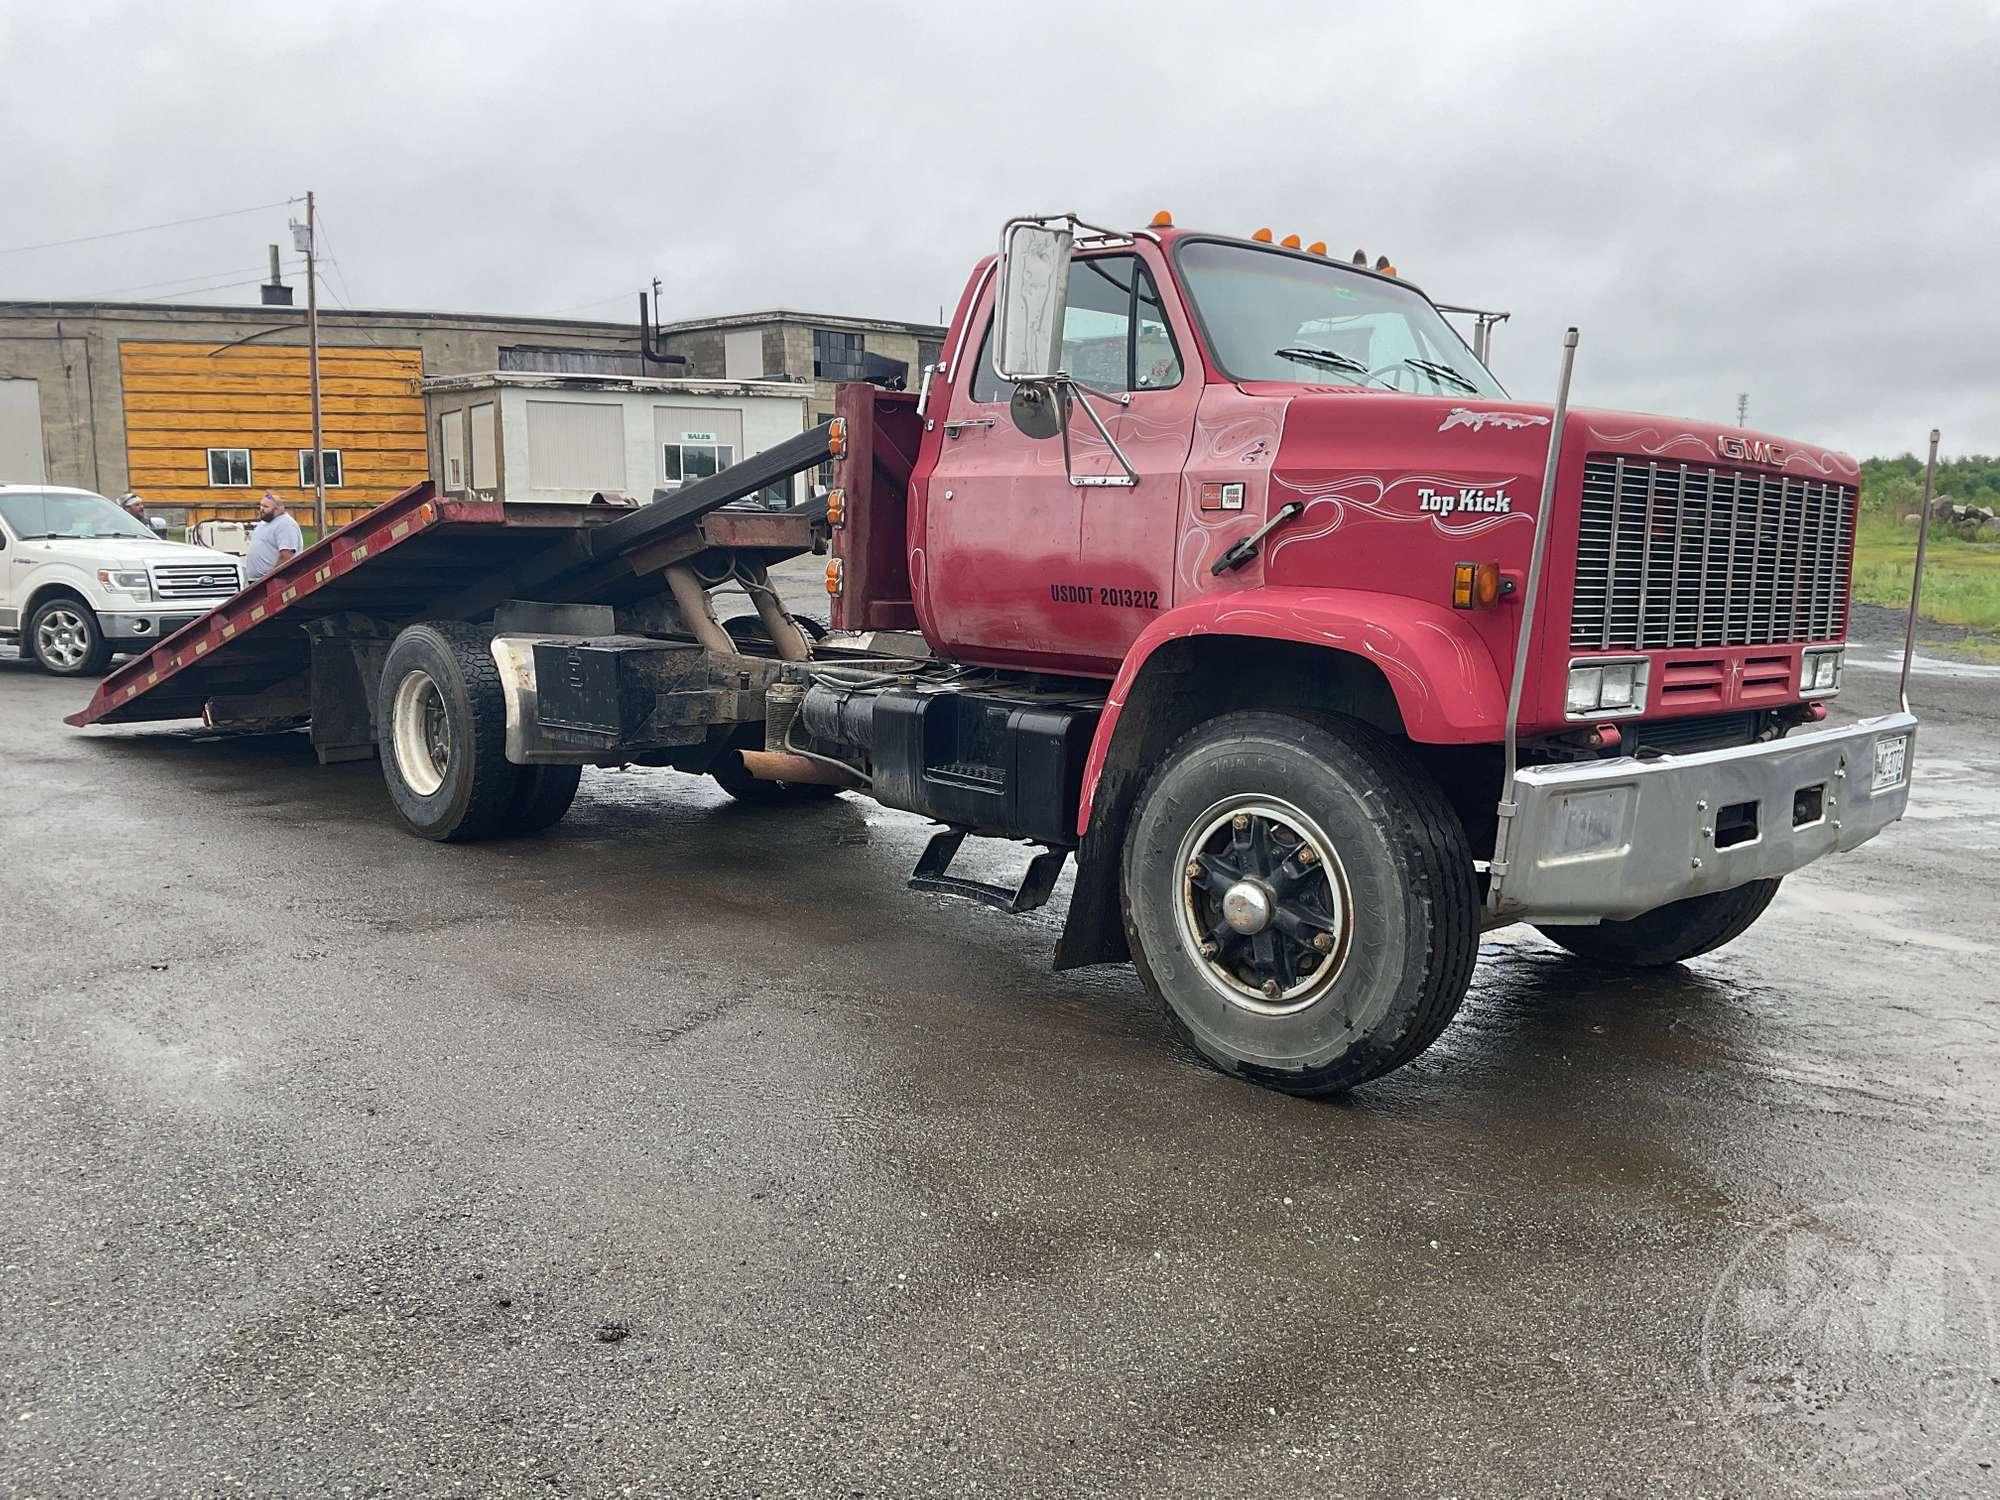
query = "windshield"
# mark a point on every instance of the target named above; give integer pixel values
(53, 513)
(1270, 316)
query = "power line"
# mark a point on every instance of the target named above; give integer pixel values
(112, 234)
(579, 306)
(195, 290)
(147, 286)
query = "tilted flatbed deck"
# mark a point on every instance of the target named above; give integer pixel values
(422, 556)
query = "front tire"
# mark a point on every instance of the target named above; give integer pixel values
(1300, 900)
(1669, 934)
(442, 734)
(65, 639)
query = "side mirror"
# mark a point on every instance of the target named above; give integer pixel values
(1028, 304)
(158, 523)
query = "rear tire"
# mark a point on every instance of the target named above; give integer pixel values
(65, 640)
(1669, 934)
(542, 796)
(442, 734)
(1366, 945)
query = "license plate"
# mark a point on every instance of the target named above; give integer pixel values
(1891, 758)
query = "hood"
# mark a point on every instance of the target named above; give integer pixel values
(1451, 430)
(141, 549)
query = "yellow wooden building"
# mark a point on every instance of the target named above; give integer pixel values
(210, 427)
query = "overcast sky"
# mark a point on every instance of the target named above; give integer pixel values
(1798, 202)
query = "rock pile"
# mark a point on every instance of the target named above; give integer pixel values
(1975, 523)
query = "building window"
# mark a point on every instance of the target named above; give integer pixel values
(451, 451)
(229, 468)
(929, 352)
(836, 356)
(329, 457)
(683, 463)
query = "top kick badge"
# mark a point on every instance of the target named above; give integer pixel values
(1454, 502)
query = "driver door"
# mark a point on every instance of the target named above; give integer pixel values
(1023, 568)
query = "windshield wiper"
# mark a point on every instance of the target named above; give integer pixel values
(1306, 354)
(1443, 372)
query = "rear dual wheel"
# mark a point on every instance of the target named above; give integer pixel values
(442, 736)
(1300, 900)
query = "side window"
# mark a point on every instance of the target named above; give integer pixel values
(1115, 333)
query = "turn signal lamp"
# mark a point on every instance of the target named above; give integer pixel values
(1475, 585)
(836, 506)
(833, 576)
(836, 438)
(1262, 236)
(1163, 220)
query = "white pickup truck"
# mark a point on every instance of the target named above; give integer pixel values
(80, 579)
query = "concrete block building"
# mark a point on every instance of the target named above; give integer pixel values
(202, 409)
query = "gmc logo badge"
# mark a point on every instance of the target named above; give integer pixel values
(1750, 450)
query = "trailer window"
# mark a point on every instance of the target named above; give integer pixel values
(1115, 333)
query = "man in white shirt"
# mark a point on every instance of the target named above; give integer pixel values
(274, 539)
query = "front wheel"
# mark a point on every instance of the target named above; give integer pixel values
(1300, 899)
(1672, 933)
(64, 638)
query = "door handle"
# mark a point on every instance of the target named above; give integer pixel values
(953, 429)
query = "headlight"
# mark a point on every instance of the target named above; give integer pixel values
(1586, 685)
(126, 581)
(1819, 673)
(1614, 689)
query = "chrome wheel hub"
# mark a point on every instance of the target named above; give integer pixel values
(62, 639)
(1264, 909)
(420, 733)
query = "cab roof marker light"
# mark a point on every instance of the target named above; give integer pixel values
(1317, 247)
(1290, 242)
(1262, 236)
(1162, 220)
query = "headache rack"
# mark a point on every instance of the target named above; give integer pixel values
(1676, 555)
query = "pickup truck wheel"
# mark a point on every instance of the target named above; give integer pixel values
(1672, 933)
(64, 638)
(727, 769)
(1300, 899)
(542, 795)
(442, 734)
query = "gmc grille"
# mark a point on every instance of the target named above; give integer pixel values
(1671, 554)
(194, 580)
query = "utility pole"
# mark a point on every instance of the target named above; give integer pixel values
(312, 367)
(1742, 408)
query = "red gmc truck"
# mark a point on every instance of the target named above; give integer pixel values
(1220, 566)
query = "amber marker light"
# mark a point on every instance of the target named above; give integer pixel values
(1262, 236)
(1317, 247)
(836, 437)
(833, 576)
(1475, 585)
(1163, 220)
(1290, 242)
(836, 506)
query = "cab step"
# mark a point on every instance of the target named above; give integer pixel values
(1037, 884)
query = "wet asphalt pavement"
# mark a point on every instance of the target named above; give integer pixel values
(683, 1151)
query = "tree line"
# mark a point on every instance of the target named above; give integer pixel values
(1896, 485)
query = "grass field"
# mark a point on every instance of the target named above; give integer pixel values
(1961, 579)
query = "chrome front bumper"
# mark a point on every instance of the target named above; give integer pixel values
(1613, 838)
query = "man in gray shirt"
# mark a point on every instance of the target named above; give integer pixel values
(274, 539)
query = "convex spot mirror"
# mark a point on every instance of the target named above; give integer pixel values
(1028, 306)
(1036, 408)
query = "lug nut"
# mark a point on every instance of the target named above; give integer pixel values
(1271, 989)
(1308, 855)
(1240, 822)
(1209, 950)
(1194, 869)
(1323, 941)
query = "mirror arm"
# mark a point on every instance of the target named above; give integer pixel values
(1093, 481)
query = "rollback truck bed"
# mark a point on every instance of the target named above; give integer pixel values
(1316, 663)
